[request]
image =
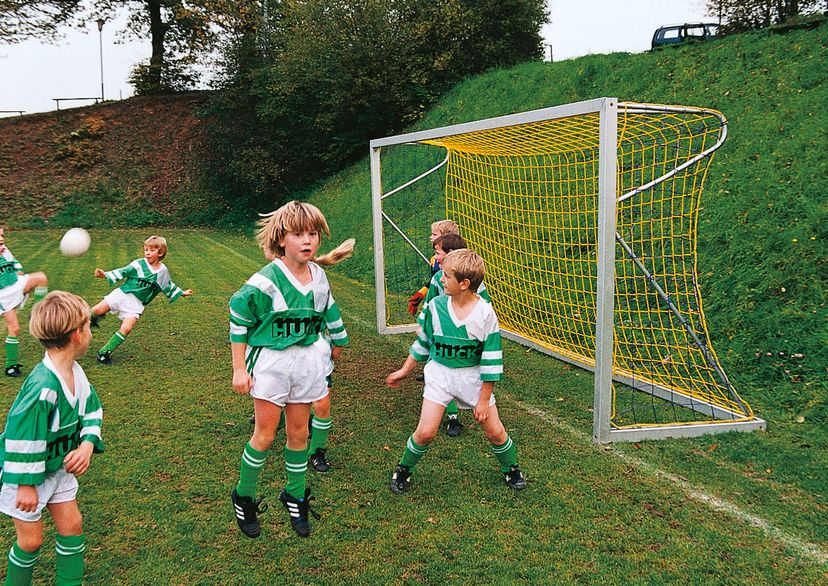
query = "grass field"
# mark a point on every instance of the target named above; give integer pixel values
(731, 509)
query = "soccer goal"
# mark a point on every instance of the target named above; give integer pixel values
(586, 216)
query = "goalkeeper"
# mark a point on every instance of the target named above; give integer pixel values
(438, 228)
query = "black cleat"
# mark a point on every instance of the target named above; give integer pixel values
(94, 320)
(400, 479)
(514, 478)
(104, 357)
(419, 377)
(298, 511)
(253, 419)
(453, 426)
(318, 461)
(246, 510)
(14, 371)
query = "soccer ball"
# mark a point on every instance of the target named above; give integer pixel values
(75, 242)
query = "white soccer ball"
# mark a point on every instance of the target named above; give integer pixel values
(75, 242)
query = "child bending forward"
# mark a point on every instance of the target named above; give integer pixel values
(460, 338)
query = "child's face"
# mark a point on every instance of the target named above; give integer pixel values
(450, 284)
(84, 339)
(152, 255)
(439, 254)
(434, 235)
(300, 246)
(2, 240)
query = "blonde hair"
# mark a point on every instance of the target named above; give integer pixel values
(294, 216)
(158, 242)
(445, 227)
(55, 318)
(465, 263)
(337, 255)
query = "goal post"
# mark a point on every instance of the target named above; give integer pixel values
(586, 217)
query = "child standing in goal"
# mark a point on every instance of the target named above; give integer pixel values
(280, 356)
(145, 278)
(438, 228)
(15, 286)
(460, 337)
(51, 431)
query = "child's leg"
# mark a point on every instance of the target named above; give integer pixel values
(255, 452)
(321, 423)
(12, 343)
(24, 552)
(502, 445)
(430, 416)
(119, 337)
(35, 280)
(296, 448)
(101, 308)
(69, 542)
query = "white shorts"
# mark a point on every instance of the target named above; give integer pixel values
(12, 297)
(296, 374)
(59, 486)
(444, 384)
(124, 305)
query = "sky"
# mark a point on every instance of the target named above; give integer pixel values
(33, 73)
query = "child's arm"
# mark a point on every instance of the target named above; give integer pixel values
(77, 461)
(116, 275)
(481, 410)
(394, 379)
(100, 273)
(242, 381)
(26, 499)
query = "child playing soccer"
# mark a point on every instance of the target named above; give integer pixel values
(145, 278)
(52, 430)
(280, 356)
(438, 228)
(15, 287)
(460, 338)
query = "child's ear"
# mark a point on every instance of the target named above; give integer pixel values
(464, 284)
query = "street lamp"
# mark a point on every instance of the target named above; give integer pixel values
(100, 42)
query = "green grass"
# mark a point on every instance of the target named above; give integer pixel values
(156, 505)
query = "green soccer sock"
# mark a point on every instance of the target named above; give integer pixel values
(413, 452)
(506, 454)
(116, 340)
(296, 465)
(452, 408)
(12, 350)
(69, 559)
(21, 566)
(321, 431)
(251, 465)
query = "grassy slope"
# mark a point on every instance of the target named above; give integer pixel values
(763, 259)
(156, 506)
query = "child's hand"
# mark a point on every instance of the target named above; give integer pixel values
(26, 500)
(242, 381)
(481, 410)
(414, 302)
(394, 379)
(186, 292)
(100, 273)
(77, 461)
(336, 352)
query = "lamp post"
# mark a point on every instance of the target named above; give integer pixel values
(100, 43)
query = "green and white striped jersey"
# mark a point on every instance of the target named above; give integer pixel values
(473, 341)
(144, 282)
(9, 267)
(46, 422)
(435, 288)
(273, 310)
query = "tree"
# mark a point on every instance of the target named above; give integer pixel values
(742, 15)
(25, 19)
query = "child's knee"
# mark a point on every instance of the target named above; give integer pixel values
(30, 541)
(71, 526)
(263, 438)
(424, 436)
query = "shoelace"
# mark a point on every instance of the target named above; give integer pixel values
(316, 515)
(260, 506)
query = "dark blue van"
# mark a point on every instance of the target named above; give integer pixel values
(677, 34)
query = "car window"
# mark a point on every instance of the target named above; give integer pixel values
(669, 33)
(695, 31)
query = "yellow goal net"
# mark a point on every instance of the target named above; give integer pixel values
(586, 216)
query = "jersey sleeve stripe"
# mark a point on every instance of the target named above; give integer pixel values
(492, 355)
(94, 430)
(25, 446)
(48, 395)
(10, 467)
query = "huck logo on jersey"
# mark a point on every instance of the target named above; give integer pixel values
(62, 445)
(457, 352)
(291, 327)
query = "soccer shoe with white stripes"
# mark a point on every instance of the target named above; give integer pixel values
(298, 511)
(318, 460)
(514, 478)
(13, 371)
(104, 357)
(453, 426)
(246, 510)
(400, 479)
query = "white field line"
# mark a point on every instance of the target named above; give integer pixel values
(793, 543)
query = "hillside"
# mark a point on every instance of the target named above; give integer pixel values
(130, 162)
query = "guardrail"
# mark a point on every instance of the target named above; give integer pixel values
(59, 100)
(12, 112)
